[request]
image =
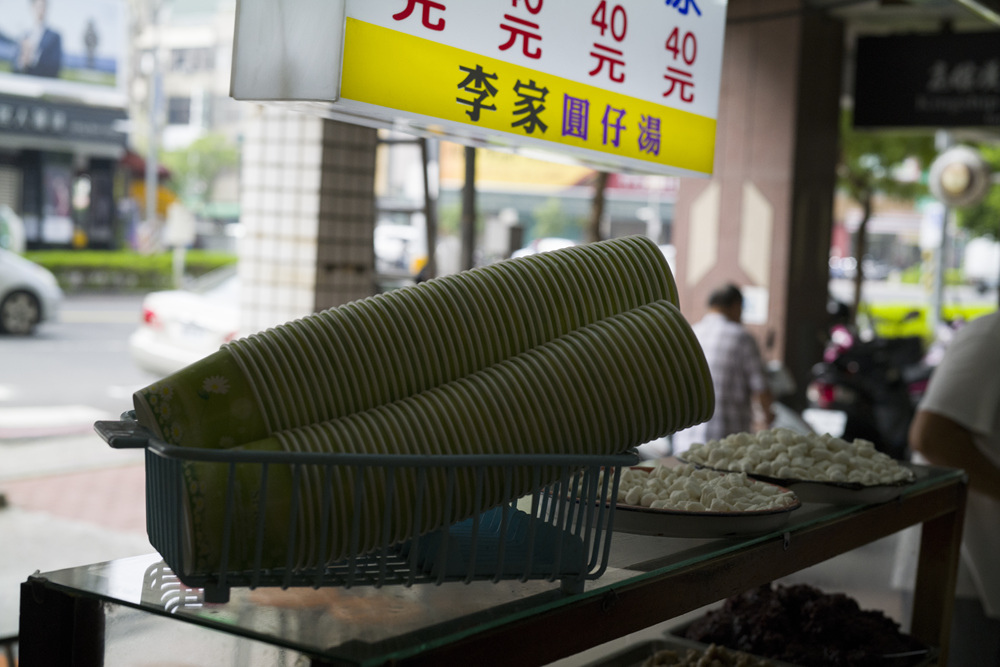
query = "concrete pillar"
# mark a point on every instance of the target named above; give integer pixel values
(308, 212)
(764, 219)
(345, 257)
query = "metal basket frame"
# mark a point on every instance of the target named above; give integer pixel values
(567, 508)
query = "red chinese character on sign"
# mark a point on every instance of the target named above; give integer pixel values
(684, 49)
(521, 30)
(533, 8)
(683, 79)
(611, 20)
(426, 6)
(613, 57)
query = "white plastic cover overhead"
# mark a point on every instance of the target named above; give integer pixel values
(457, 71)
(288, 49)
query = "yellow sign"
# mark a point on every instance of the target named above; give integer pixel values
(500, 169)
(398, 71)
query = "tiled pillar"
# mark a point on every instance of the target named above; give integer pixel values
(345, 259)
(308, 214)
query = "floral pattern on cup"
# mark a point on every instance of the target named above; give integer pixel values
(215, 384)
(169, 413)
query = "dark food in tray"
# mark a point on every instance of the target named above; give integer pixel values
(802, 625)
(679, 652)
(713, 656)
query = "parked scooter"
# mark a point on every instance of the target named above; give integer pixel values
(875, 384)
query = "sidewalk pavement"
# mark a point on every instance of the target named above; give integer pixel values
(71, 501)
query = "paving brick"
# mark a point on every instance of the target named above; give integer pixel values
(111, 498)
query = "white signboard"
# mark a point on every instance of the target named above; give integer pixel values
(620, 84)
(755, 304)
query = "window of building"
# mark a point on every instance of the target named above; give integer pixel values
(192, 60)
(179, 111)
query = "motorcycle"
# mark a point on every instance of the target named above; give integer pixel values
(873, 386)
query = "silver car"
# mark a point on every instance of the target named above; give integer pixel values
(29, 294)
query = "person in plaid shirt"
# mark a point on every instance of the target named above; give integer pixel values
(737, 372)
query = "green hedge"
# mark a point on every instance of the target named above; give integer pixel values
(123, 270)
(914, 275)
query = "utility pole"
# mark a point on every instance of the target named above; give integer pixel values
(958, 177)
(943, 140)
(151, 68)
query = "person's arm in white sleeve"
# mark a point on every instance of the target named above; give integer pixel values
(945, 442)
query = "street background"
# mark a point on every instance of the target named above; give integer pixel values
(73, 501)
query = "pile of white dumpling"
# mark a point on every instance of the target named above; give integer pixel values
(691, 489)
(784, 454)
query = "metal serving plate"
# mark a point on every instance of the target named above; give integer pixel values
(834, 493)
(674, 523)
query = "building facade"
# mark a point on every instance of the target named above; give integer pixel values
(62, 119)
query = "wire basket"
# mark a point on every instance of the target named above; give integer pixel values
(557, 530)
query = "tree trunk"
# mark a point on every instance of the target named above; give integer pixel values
(430, 215)
(597, 207)
(468, 230)
(860, 250)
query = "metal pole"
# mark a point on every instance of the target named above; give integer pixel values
(940, 266)
(152, 166)
(942, 141)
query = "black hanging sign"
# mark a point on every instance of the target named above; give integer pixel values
(934, 81)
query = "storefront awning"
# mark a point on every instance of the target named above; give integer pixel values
(136, 164)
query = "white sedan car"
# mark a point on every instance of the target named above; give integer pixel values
(180, 327)
(29, 294)
(543, 245)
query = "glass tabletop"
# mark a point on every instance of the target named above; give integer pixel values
(367, 626)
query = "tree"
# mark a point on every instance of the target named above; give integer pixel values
(868, 165)
(552, 220)
(196, 167)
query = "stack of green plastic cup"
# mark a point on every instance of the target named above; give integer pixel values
(576, 351)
